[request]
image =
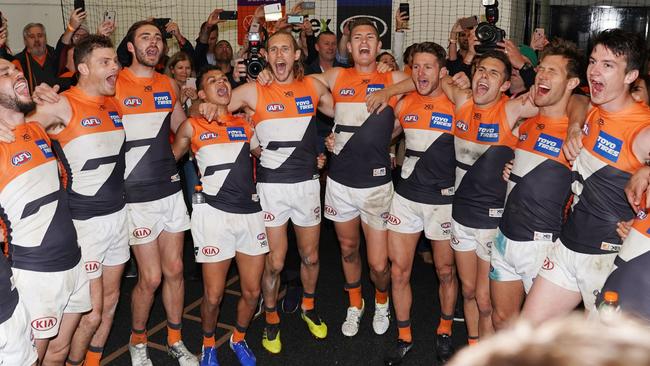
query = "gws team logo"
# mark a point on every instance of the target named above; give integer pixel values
(346, 92)
(373, 88)
(410, 118)
(549, 145)
(141, 232)
(132, 102)
(44, 323)
(236, 133)
(462, 125)
(117, 120)
(548, 265)
(261, 236)
(210, 251)
(393, 220)
(45, 148)
(162, 100)
(275, 107)
(305, 105)
(92, 266)
(91, 122)
(488, 132)
(608, 146)
(384, 216)
(440, 121)
(329, 210)
(208, 136)
(21, 158)
(268, 216)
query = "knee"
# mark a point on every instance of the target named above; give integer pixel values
(499, 318)
(149, 281)
(250, 296)
(93, 319)
(484, 304)
(445, 274)
(213, 298)
(399, 276)
(469, 293)
(173, 269)
(379, 267)
(274, 264)
(309, 259)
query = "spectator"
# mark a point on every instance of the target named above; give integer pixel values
(640, 89)
(38, 61)
(179, 68)
(5, 52)
(207, 41)
(185, 46)
(387, 58)
(401, 25)
(325, 59)
(459, 47)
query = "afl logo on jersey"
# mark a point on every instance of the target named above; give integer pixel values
(132, 102)
(208, 136)
(91, 122)
(162, 100)
(21, 158)
(305, 105)
(346, 92)
(373, 88)
(523, 137)
(462, 125)
(210, 251)
(275, 107)
(117, 120)
(141, 232)
(410, 118)
(44, 323)
(641, 215)
(236, 133)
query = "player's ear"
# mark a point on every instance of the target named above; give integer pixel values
(83, 69)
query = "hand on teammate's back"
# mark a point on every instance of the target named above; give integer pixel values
(44, 93)
(573, 144)
(329, 142)
(507, 169)
(265, 77)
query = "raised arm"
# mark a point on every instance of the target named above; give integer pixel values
(457, 88)
(178, 114)
(182, 139)
(325, 100)
(243, 97)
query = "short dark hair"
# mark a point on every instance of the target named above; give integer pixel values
(325, 33)
(499, 56)
(358, 22)
(408, 52)
(569, 51)
(204, 70)
(87, 45)
(623, 43)
(433, 48)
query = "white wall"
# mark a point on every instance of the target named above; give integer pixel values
(20, 13)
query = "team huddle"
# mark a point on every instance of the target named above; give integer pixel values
(505, 190)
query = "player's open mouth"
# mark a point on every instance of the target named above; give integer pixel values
(21, 87)
(482, 87)
(543, 89)
(596, 86)
(222, 92)
(281, 67)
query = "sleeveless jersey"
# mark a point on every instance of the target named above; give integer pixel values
(222, 153)
(8, 291)
(34, 209)
(285, 125)
(429, 166)
(483, 142)
(540, 182)
(91, 151)
(601, 170)
(631, 274)
(146, 106)
(361, 155)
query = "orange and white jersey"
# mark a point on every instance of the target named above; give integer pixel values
(361, 146)
(91, 151)
(35, 216)
(285, 126)
(429, 166)
(484, 143)
(222, 152)
(540, 182)
(602, 169)
(146, 106)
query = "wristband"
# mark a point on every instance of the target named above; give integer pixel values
(454, 41)
(70, 28)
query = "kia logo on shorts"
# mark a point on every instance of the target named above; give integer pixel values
(268, 216)
(44, 323)
(261, 236)
(210, 251)
(141, 232)
(445, 225)
(330, 210)
(393, 220)
(132, 102)
(21, 158)
(548, 265)
(92, 266)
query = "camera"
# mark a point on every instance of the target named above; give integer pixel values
(254, 62)
(487, 32)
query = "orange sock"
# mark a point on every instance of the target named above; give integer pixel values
(354, 293)
(93, 358)
(272, 317)
(307, 302)
(208, 340)
(173, 333)
(404, 331)
(472, 341)
(238, 336)
(138, 337)
(381, 297)
(445, 326)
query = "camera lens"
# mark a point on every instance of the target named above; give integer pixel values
(254, 68)
(485, 32)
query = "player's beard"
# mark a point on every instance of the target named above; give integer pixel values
(14, 104)
(141, 56)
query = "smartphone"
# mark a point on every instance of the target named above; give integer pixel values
(161, 23)
(0, 19)
(308, 5)
(80, 4)
(109, 16)
(404, 8)
(469, 22)
(539, 32)
(295, 19)
(190, 83)
(272, 12)
(228, 15)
